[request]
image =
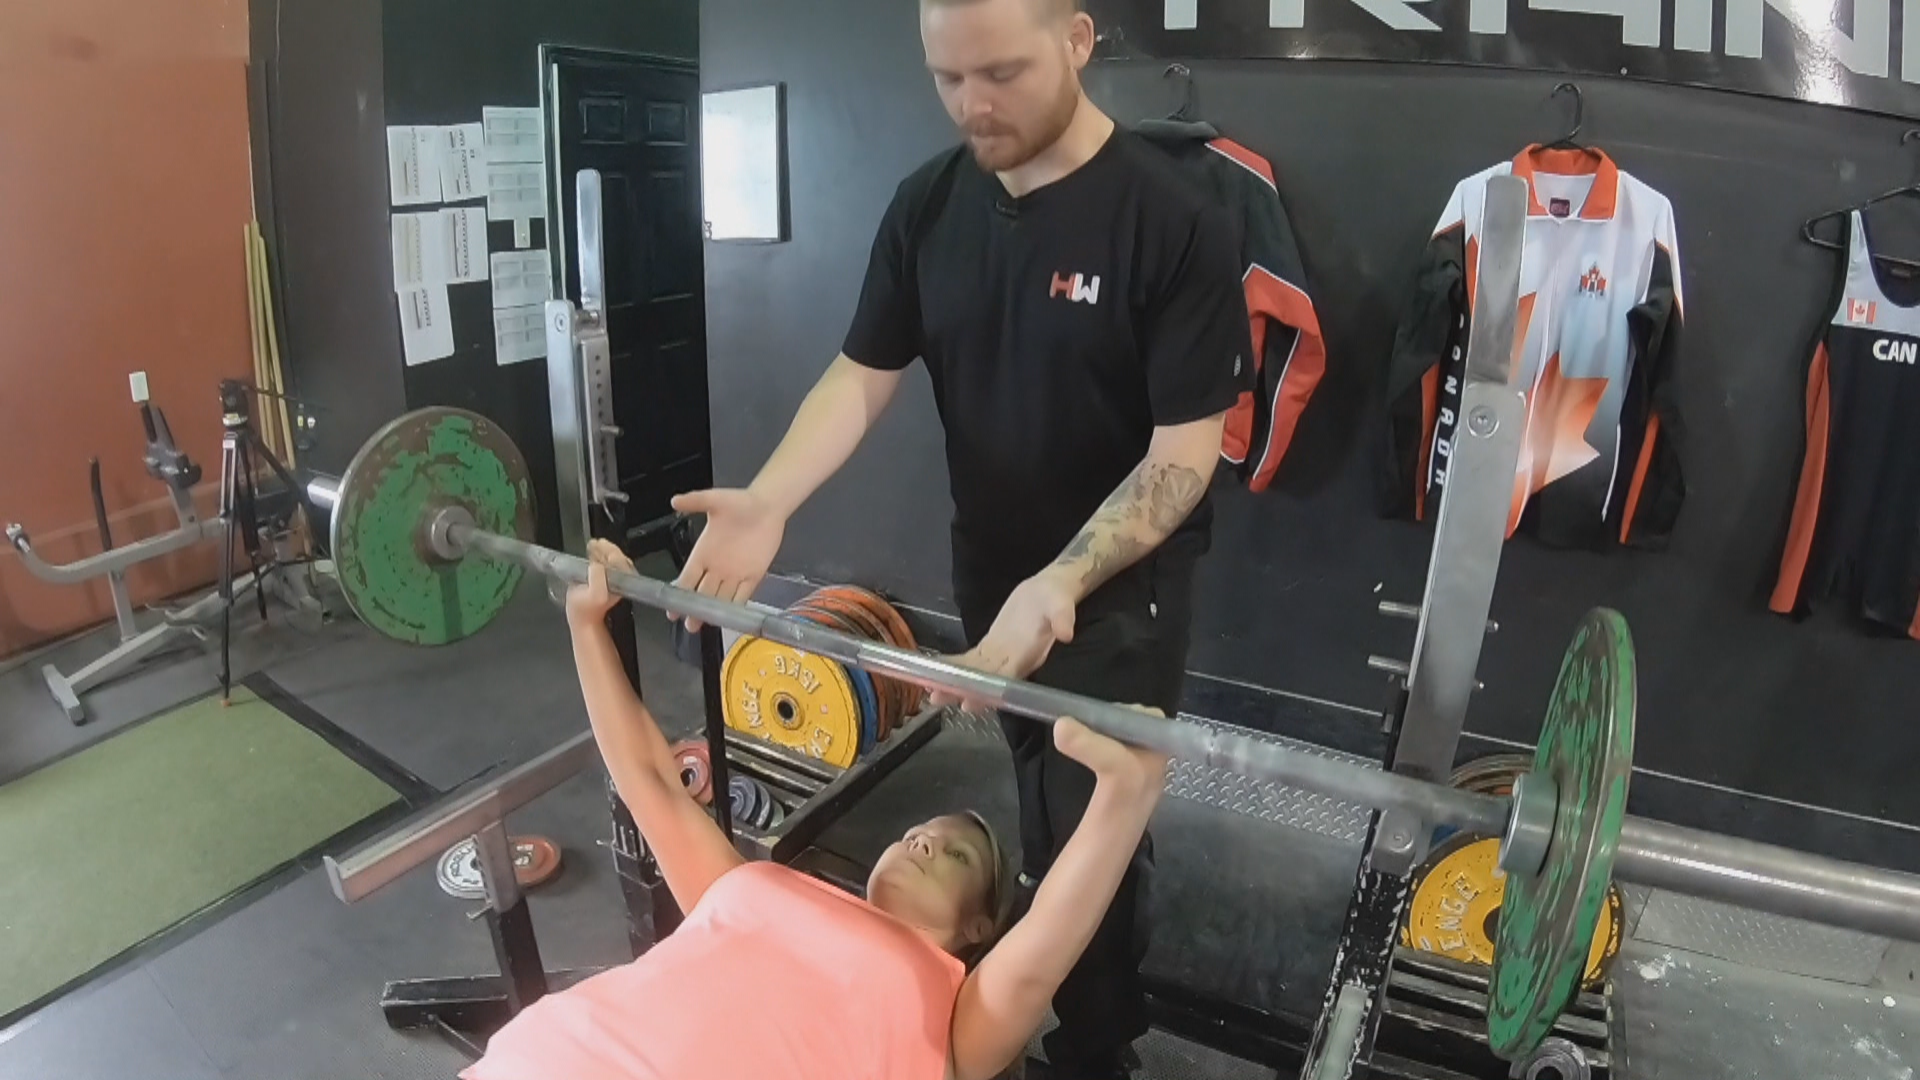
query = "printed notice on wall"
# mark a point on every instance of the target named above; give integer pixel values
(441, 247)
(463, 163)
(513, 135)
(516, 192)
(521, 278)
(413, 165)
(465, 236)
(519, 333)
(426, 327)
(414, 245)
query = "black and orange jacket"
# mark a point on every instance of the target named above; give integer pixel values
(1595, 349)
(1289, 356)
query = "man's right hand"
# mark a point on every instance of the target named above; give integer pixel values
(742, 536)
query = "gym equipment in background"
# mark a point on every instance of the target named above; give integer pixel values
(171, 466)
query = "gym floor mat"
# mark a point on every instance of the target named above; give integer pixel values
(126, 839)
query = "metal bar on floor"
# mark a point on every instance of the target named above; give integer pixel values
(380, 862)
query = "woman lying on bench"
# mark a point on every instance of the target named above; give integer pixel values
(777, 975)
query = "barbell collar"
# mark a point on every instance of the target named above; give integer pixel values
(1529, 834)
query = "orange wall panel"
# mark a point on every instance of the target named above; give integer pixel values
(126, 186)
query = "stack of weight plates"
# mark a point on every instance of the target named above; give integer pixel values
(753, 804)
(811, 704)
(1457, 894)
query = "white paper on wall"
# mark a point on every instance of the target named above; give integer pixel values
(413, 165)
(439, 247)
(464, 234)
(419, 251)
(521, 278)
(516, 192)
(514, 134)
(463, 163)
(520, 333)
(426, 328)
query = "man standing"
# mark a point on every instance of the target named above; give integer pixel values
(1079, 309)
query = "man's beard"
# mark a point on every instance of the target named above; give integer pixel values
(1010, 148)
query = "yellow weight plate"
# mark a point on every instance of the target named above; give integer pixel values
(1456, 905)
(796, 699)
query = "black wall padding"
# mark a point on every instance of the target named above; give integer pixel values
(1366, 155)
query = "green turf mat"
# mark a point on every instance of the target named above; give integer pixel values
(124, 839)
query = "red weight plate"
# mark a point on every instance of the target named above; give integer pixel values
(900, 636)
(536, 860)
(845, 602)
(696, 769)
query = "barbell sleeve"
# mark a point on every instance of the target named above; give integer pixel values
(1767, 877)
(1755, 875)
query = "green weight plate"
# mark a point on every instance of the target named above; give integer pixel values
(420, 463)
(1547, 919)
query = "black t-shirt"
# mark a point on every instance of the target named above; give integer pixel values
(1060, 329)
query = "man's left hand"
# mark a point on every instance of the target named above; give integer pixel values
(1037, 616)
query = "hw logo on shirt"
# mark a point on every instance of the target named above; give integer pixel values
(1592, 284)
(1078, 289)
(1861, 312)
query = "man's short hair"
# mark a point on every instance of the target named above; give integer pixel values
(1053, 9)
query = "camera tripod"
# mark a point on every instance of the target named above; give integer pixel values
(241, 452)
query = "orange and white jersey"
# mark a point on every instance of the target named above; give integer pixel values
(1598, 334)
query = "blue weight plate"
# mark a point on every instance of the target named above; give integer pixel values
(746, 799)
(763, 817)
(869, 708)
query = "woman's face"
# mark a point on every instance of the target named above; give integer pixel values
(938, 877)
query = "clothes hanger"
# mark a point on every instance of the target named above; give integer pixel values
(1570, 141)
(1806, 227)
(1189, 100)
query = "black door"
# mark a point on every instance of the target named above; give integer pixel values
(636, 120)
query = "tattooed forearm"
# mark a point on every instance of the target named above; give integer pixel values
(1141, 513)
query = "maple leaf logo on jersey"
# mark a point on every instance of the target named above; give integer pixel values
(1861, 312)
(1591, 283)
(1559, 412)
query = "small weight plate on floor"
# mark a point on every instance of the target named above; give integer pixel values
(420, 463)
(1547, 919)
(1455, 908)
(536, 861)
(696, 769)
(801, 701)
(459, 872)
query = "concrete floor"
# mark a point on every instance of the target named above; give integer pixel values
(285, 987)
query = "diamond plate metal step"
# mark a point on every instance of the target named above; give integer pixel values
(1768, 942)
(1232, 792)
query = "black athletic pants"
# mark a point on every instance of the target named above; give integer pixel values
(1130, 647)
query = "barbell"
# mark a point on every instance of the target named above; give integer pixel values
(431, 537)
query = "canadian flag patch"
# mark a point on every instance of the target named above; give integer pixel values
(1861, 312)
